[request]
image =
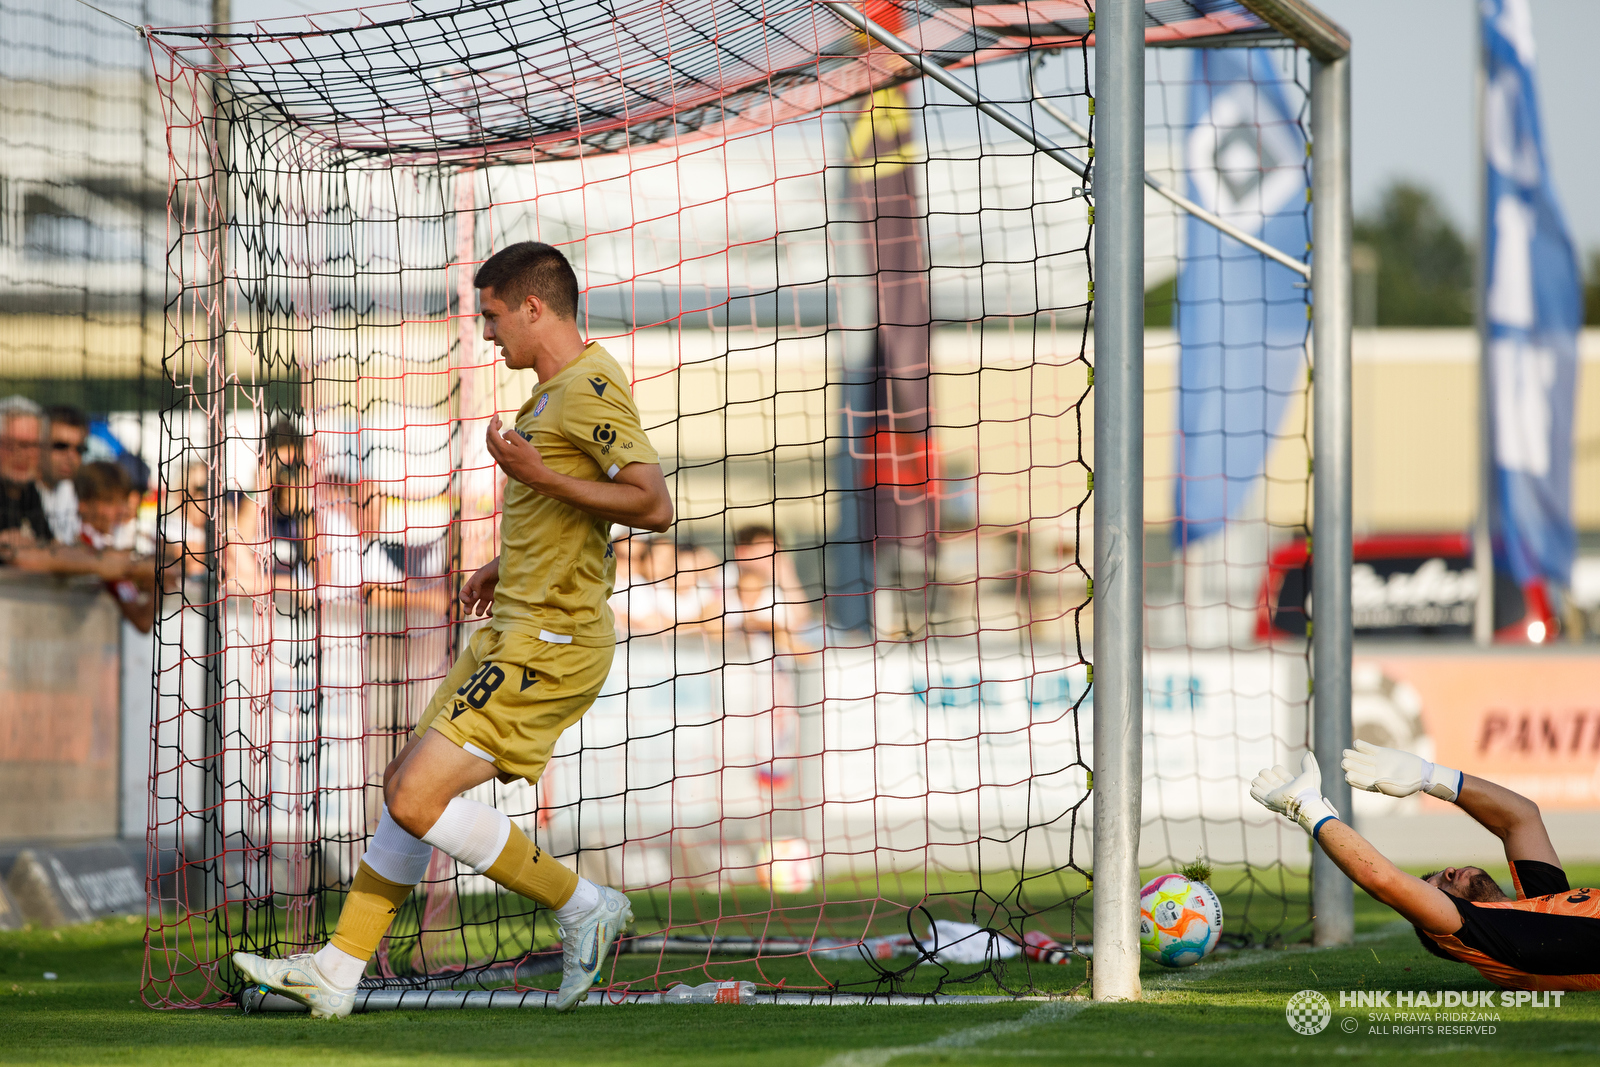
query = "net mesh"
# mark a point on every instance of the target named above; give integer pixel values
(1228, 472)
(844, 745)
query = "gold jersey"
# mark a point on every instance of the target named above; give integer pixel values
(556, 562)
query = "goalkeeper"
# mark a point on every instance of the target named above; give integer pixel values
(1546, 938)
(576, 461)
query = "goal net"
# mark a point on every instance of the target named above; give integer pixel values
(845, 746)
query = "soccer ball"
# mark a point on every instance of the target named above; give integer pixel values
(1180, 921)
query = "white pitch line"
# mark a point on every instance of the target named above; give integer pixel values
(1059, 1011)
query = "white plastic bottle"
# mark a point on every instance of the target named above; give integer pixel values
(710, 993)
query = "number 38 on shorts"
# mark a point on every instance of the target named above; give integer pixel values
(509, 697)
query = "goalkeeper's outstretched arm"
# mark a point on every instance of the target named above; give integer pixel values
(1511, 817)
(1422, 904)
(1300, 798)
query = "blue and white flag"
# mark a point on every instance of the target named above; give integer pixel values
(1534, 309)
(1241, 317)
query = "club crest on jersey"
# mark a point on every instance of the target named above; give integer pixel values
(544, 402)
(599, 385)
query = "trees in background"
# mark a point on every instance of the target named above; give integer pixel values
(1416, 268)
(1412, 267)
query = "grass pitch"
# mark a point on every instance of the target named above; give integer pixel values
(1229, 1010)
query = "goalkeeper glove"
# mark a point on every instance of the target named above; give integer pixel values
(1398, 774)
(1299, 798)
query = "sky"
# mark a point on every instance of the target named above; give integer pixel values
(1412, 97)
(1413, 107)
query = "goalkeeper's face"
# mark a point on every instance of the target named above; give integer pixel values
(1468, 883)
(512, 329)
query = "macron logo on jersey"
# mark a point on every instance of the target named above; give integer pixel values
(599, 386)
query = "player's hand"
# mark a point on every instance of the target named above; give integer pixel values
(1272, 787)
(1297, 797)
(516, 454)
(1397, 774)
(477, 593)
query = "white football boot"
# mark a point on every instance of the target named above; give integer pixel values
(584, 945)
(297, 978)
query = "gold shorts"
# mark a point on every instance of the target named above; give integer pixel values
(510, 696)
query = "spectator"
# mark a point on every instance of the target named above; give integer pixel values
(22, 516)
(285, 445)
(697, 593)
(102, 494)
(635, 602)
(68, 429)
(132, 534)
(185, 532)
(184, 529)
(292, 526)
(764, 595)
(675, 589)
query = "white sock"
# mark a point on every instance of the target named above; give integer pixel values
(584, 898)
(339, 967)
(473, 833)
(396, 855)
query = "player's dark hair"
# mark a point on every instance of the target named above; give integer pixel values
(531, 267)
(100, 481)
(284, 434)
(749, 535)
(67, 415)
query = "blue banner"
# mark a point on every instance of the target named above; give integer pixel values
(1241, 318)
(1533, 305)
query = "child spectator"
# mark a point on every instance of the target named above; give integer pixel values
(102, 491)
(103, 496)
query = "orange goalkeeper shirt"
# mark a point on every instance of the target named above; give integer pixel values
(1548, 938)
(556, 562)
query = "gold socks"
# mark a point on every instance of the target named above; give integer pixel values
(368, 911)
(523, 868)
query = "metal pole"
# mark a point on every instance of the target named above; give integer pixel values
(1332, 896)
(1156, 185)
(215, 785)
(1119, 494)
(1482, 543)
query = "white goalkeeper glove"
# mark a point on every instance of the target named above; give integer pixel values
(1398, 774)
(1299, 798)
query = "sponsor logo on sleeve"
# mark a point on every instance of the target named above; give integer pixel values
(599, 385)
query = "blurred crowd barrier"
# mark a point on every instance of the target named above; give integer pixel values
(62, 758)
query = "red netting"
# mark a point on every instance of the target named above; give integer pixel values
(849, 700)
